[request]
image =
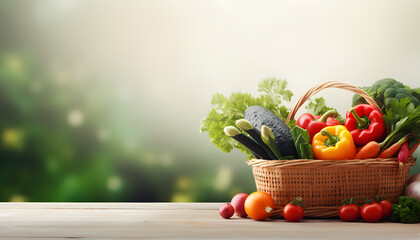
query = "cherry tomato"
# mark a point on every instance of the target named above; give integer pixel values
(349, 213)
(386, 208)
(259, 205)
(371, 212)
(292, 212)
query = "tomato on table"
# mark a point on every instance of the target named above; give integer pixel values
(371, 212)
(386, 208)
(294, 212)
(349, 211)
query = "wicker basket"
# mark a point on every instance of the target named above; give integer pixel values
(323, 184)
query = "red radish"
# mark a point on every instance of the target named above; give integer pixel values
(403, 154)
(238, 203)
(226, 210)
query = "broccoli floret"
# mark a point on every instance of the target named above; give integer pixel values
(411, 203)
(406, 201)
(408, 216)
(407, 211)
(379, 87)
(403, 93)
(383, 91)
(395, 213)
(390, 92)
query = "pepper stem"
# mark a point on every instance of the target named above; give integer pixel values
(362, 122)
(331, 139)
(327, 114)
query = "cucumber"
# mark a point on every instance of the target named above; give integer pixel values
(259, 116)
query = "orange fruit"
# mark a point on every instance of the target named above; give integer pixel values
(259, 205)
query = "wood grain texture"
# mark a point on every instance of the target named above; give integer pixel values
(173, 221)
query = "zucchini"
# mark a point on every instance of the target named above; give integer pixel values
(253, 146)
(256, 135)
(268, 137)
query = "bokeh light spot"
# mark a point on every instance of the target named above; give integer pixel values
(183, 183)
(114, 183)
(13, 64)
(181, 197)
(75, 118)
(17, 198)
(223, 179)
(12, 138)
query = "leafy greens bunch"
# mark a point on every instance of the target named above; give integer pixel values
(403, 117)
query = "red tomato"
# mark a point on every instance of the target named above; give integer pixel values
(259, 205)
(293, 213)
(386, 208)
(371, 212)
(349, 213)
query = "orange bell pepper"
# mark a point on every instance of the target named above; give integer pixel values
(333, 143)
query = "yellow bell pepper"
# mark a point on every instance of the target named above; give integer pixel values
(334, 143)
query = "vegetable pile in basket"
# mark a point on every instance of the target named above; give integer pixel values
(256, 125)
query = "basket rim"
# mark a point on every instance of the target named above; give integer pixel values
(330, 84)
(384, 162)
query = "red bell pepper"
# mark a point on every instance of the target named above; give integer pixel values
(365, 124)
(315, 124)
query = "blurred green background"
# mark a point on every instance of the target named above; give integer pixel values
(102, 100)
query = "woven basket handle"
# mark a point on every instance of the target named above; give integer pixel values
(331, 84)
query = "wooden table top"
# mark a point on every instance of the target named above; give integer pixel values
(174, 221)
